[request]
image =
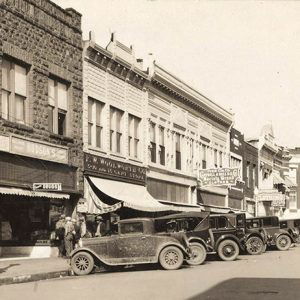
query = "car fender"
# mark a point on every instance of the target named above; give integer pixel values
(256, 234)
(200, 241)
(93, 253)
(229, 237)
(294, 240)
(164, 245)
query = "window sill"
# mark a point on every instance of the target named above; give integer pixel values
(92, 148)
(16, 125)
(135, 160)
(118, 155)
(62, 137)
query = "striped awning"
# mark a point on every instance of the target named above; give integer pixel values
(289, 182)
(28, 193)
(277, 179)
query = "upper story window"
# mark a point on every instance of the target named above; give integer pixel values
(134, 136)
(95, 123)
(204, 156)
(178, 151)
(216, 158)
(220, 159)
(162, 151)
(254, 177)
(116, 130)
(57, 107)
(13, 92)
(153, 142)
(248, 174)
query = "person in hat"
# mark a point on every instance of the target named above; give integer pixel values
(69, 236)
(60, 234)
(100, 227)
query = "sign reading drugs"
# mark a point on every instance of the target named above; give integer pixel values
(223, 176)
(46, 186)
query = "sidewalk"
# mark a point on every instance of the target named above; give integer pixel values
(26, 270)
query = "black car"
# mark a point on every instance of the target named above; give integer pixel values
(292, 226)
(196, 227)
(231, 236)
(276, 236)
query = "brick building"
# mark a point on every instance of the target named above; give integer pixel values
(41, 115)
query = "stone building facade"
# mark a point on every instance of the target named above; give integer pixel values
(186, 132)
(40, 118)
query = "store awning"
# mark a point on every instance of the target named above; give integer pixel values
(181, 206)
(216, 209)
(28, 193)
(289, 182)
(123, 194)
(277, 179)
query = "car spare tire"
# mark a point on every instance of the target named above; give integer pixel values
(228, 250)
(198, 254)
(82, 263)
(171, 258)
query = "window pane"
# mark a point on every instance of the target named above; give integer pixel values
(50, 118)
(90, 134)
(161, 136)
(51, 92)
(118, 144)
(90, 110)
(136, 147)
(62, 97)
(136, 127)
(61, 123)
(4, 104)
(20, 80)
(98, 112)
(177, 142)
(5, 74)
(118, 120)
(152, 132)
(98, 136)
(19, 108)
(130, 125)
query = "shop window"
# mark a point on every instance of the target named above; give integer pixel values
(153, 142)
(13, 92)
(162, 146)
(95, 126)
(116, 130)
(57, 107)
(132, 228)
(133, 136)
(178, 152)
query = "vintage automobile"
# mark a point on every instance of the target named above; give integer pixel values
(231, 236)
(136, 242)
(292, 226)
(196, 227)
(280, 238)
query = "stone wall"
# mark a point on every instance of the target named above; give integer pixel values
(48, 41)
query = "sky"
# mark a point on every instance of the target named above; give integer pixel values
(243, 55)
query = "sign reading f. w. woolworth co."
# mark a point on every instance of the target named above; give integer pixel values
(114, 169)
(223, 176)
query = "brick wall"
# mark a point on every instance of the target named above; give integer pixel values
(48, 40)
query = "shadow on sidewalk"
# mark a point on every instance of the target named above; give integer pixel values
(2, 270)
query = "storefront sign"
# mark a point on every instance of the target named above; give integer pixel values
(46, 186)
(277, 199)
(112, 168)
(23, 146)
(224, 176)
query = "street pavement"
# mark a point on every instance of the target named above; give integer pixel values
(273, 275)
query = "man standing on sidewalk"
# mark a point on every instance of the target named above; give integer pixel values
(60, 234)
(69, 236)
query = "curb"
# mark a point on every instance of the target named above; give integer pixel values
(34, 277)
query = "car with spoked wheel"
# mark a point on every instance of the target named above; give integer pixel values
(136, 242)
(276, 236)
(292, 226)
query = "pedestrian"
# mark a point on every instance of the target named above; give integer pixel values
(60, 234)
(69, 236)
(100, 227)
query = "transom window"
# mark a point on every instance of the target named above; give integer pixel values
(57, 106)
(13, 92)
(95, 123)
(116, 122)
(133, 136)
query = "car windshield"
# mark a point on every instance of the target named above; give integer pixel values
(131, 228)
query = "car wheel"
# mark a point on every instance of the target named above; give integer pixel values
(171, 258)
(82, 263)
(228, 250)
(198, 252)
(283, 242)
(254, 245)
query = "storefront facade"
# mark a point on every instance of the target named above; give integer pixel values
(41, 157)
(186, 132)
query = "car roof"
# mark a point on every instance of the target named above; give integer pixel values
(189, 214)
(135, 220)
(265, 217)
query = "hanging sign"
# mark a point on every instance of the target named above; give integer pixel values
(222, 176)
(46, 186)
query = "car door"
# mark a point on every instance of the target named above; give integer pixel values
(134, 246)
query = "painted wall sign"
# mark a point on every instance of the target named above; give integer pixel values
(23, 146)
(223, 176)
(277, 199)
(112, 168)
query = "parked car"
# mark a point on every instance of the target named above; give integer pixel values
(136, 242)
(292, 226)
(196, 227)
(231, 236)
(280, 238)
